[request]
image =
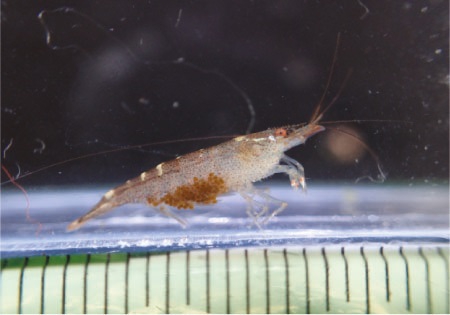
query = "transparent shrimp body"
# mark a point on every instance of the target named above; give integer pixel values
(198, 178)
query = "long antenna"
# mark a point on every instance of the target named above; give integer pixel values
(335, 98)
(318, 111)
(381, 174)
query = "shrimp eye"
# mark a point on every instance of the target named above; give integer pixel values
(281, 132)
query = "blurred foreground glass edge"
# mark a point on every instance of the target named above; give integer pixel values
(326, 214)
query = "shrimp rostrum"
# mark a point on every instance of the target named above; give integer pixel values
(198, 178)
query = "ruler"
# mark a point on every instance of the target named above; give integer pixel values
(313, 279)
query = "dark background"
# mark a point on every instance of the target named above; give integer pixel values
(88, 76)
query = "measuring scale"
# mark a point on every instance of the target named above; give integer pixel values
(350, 249)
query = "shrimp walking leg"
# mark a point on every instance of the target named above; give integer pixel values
(259, 210)
(166, 211)
(296, 176)
(295, 171)
(290, 161)
(251, 211)
(264, 214)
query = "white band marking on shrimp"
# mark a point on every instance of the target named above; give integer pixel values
(109, 194)
(159, 169)
(261, 139)
(143, 175)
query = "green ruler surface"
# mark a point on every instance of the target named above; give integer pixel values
(334, 279)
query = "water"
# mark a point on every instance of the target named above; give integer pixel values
(135, 73)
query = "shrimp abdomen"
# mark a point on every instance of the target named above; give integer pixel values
(134, 190)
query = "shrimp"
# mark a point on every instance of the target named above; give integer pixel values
(198, 178)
